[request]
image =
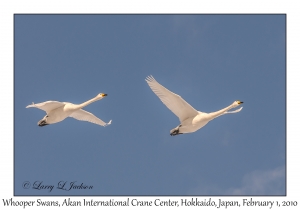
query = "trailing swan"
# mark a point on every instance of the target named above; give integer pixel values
(58, 111)
(190, 119)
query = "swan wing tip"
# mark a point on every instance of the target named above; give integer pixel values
(31, 105)
(108, 123)
(150, 78)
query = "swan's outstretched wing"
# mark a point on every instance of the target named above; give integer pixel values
(87, 116)
(235, 111)
(173, 101)
(47, 106)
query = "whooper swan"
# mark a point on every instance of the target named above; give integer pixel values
(58, 111)
(190, 119)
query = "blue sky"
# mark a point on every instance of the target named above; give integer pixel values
(210, 60)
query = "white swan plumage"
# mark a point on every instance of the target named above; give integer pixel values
(58, 111)
(190, 119)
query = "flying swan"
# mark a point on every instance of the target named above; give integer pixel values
(58, 111)
(190, 119)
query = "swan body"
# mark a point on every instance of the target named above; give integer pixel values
(190, 119)
(58, 111)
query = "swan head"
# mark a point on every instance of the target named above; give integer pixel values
(237, 103)
(101, 95)
(43, 121)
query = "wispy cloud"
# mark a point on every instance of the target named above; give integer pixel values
(257, 182)
(189, 30)
(260, 182)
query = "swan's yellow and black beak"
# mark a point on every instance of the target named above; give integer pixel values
(240, 102)
(104, 94)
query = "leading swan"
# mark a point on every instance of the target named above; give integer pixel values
(190, 119)
(58, 111)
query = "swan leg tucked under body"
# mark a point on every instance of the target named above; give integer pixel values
(58, 111)
(190, 119)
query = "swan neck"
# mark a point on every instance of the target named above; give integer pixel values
(80, 106)
(220, 112)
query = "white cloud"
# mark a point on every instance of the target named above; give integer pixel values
(258, 182)
(190, 31)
